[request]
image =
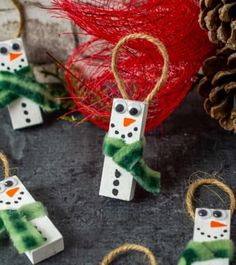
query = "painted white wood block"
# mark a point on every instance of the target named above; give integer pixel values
(23, 112)
(209, 225)
(128, 121)
(20, 196)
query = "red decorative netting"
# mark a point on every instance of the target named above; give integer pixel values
(89, 77)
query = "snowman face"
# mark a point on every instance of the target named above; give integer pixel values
(211, 224)
(13, 194)
(128, 119)
(12, 55)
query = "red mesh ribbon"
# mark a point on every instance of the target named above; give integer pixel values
(90, 80)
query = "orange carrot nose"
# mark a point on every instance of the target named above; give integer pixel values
(217, 224)
(13, 56)
(128, 121)
(12, 192)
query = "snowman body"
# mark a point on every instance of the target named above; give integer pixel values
(23, 112)
(209, 225)
(14, 195)
(128, 120)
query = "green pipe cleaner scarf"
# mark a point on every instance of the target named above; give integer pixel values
(129, 157)
(23, 84)
(203, 251)
(17, 226)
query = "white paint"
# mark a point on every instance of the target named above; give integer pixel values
(54, 242)
(213, 262)
(205, 231)
(126, 187)
(31, 114)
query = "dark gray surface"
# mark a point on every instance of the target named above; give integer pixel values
(62, 165)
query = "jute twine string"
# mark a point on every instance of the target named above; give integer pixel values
(126, 248)
(5, 163)
(160, 82)
(20, 10)
(207, 181)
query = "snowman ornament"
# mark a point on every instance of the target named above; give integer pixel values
(25, 221)
(23, 111)
(211, 244)
(123, 145)
(127, 123)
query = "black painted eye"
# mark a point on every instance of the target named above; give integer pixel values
(16, 46)
(204, 213)
(4, 50)
(219, 214)
(135, 109)
(120, 106)
(9, 183)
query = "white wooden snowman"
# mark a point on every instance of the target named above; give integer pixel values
(23, 112)
(128, 119)
(14, 196)
(211, 244)
(127, 123)
(212, 225)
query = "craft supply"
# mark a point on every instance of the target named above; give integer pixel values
(25, 220)
(211, 244)
(89, 79)
(18, 88)
(127, 248)
(123, 145)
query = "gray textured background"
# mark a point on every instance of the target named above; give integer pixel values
(62, 165)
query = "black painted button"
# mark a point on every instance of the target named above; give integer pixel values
(116, 183)
(115, 192)
(23, 105)
(28, 120)
(117, 173)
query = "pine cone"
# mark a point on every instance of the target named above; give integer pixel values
(218, 87)
(219, 18)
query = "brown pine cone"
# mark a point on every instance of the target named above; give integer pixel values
(219, 18)
(218, 87)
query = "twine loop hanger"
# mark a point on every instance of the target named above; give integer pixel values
(5, 164)
(126, 248)
(207, 181)
(160, 81)
(20, 9)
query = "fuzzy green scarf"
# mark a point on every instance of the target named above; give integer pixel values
(203, 251)
(17, 226)
(129, 157)
(23, 84)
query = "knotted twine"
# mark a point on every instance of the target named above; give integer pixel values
(210, 250)
(126, 248)
(129, 156)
